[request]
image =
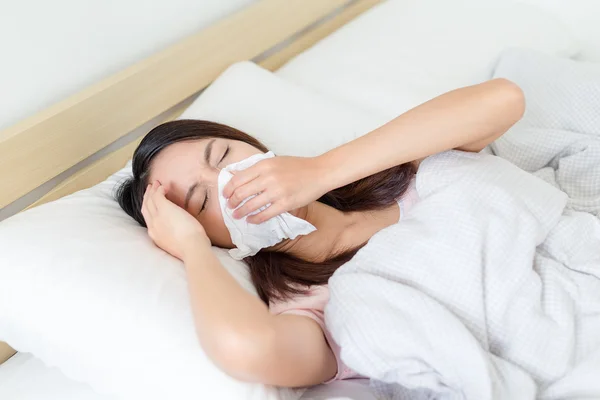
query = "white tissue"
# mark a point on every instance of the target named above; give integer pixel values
(251, 238)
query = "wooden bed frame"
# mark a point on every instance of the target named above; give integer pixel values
(270, 32)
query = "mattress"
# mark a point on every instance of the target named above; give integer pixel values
(25, 377)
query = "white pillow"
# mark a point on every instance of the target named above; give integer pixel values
(286, 117)
(404, 52)
(83, 287)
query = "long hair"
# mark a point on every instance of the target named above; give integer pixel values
(276, 275)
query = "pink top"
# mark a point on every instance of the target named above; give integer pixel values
(313, 303)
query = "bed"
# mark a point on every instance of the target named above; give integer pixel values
(287, 31)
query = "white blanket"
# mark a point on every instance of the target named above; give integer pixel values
(490, 288)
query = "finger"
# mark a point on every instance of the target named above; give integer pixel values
(146, 192)
(159, 194)
(150, 200)
(146, 197)
(252, 205)
(253, 187)
(161, 200)
(146, 215)
(265, 215)
(240, 178)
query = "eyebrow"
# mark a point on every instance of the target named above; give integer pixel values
(192, 188)
(208, 150)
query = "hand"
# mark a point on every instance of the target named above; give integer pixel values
(170, 227)
(285, 182)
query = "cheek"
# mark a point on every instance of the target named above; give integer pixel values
(215, 228)
(247, 151)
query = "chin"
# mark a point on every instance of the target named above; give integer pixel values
(222, 241)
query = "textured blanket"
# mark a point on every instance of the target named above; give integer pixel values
(490, 288)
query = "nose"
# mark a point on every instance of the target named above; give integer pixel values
(209, 175)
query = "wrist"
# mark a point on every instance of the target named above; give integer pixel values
(328, 177)
(194, 244)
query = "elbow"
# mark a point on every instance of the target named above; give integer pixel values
(242, 355)
(512, 98)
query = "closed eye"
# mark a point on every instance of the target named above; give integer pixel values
(224, 154)
(204, 202)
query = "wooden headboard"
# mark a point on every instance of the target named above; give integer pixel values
(270, 32)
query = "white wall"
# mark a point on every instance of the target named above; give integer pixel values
(50, 49)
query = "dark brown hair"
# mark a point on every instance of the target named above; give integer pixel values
(276, 275)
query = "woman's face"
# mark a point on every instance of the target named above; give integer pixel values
(189, 171)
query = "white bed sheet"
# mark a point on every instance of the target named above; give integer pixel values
(25, 377)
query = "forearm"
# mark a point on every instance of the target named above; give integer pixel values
(461, 118)
(226, 316)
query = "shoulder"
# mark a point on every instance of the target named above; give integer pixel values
(312, 305)
(313, 301)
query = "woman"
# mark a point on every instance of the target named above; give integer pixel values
(348, 194)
